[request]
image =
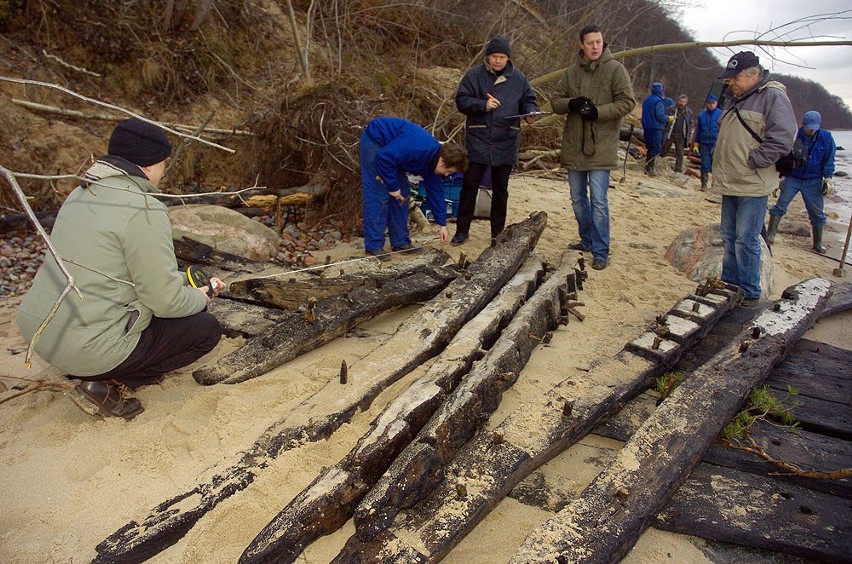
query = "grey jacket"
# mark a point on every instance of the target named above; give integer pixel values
(113, 226)
(741, 165)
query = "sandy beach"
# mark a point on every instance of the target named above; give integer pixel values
(71, 479)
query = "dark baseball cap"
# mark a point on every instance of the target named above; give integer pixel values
(741, 61)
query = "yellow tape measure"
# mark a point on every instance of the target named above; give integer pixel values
(197, 279)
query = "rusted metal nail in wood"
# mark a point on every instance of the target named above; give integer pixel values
(695, 307)
(576, 314)
(744, 346)
(656, 344)
(347, 297)
(755, 332)
(468, 276)
(547, 338)
(344, 372)
(341, 272)
(292, 281)
(493, 242)
(567, 408)
(563, 319)
(310, 317)
(777, 306)
(449, 295)
(322, 278)
(379, 284)
(622, 493)
(327, 259)
(461, 490)
(497, 438)
(462, 259)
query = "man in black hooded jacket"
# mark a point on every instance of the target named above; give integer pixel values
(489, 94)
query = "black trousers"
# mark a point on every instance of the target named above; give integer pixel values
(499, 196)
(166, 345)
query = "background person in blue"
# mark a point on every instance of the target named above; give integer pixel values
(390, 148)
(654, 119)
(706, 133)
(487, 95)
(813, 179)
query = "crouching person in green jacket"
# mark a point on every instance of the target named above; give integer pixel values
(138, 318)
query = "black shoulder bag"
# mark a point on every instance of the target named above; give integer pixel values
(789, 162)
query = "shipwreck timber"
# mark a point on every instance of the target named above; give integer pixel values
(420, 337)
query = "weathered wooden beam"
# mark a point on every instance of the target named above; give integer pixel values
(292, 291)
(421, 465)
(420, 337)
(194, 252)
(491, 464)
(603, 523)
(806, 450)
(330, 500)
(724, 505)
(240, 319)
(329, 318)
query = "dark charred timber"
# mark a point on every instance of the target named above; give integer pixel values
(330, 318)
(491, 464)
(421, 465)
(724, 505)
(326, 504)
(240, 319)
(190, 251)
(806, 450)
(291, 292)
(604, 521)
(419, 338)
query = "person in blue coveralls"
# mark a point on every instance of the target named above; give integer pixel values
(814, 179)
(390, 148)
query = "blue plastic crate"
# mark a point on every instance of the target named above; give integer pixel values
(452, 192)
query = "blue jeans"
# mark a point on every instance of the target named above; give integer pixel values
(592, 216)
(380, 210)
(706, 152)
(742, 220)
(811, 193)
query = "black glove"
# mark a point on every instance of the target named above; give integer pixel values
(574, 104)
(588, 111)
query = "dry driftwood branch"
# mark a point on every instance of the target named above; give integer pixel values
(603, 522)
(113, 107)
(22, 198)
(104, 117)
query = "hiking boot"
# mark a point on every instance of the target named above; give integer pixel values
(407, 249)
(579, 247)
(107, 398)
(599, 264)
(379, 254)
(459, 239)
(772, 230)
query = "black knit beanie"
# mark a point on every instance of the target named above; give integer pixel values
(139, 142)
(498, 45)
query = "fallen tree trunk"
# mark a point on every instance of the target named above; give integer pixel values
(491, 464)
(603, 523)
(330, 500)
(421, 465)
(420, 337)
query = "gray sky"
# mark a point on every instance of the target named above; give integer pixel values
(730, 20)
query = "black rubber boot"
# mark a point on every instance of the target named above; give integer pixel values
(703, 181)
(772, 230)
(817, 235)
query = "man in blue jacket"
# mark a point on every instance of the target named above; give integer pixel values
(813, 179)
(490, 94)
(654, 119)
(706, 133)
(390, 148)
